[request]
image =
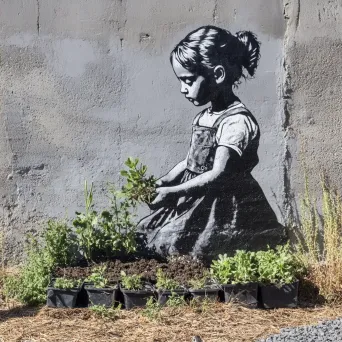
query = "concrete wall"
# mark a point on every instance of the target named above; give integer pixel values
(87, 83)
(312, 94)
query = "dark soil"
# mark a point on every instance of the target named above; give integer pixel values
(181, 269)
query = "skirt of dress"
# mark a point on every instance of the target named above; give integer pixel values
(231, 215)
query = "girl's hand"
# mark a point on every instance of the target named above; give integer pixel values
(160, 182)
(164, 194)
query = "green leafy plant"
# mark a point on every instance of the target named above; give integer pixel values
(29, 286)
(152, 309)
(175, 300)
(132, 282)
(106, 313)
(117, 223)
(139, 187)
(166, 283)
(59, 243)
(64, 283)
(277, 266)
(241, 268)
(201, 282)
(97, 277)
(89, 235)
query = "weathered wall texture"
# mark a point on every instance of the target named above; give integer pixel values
(312, 94)
(87, 83)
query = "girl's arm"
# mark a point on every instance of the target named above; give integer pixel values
(221, 166)
(173, 174)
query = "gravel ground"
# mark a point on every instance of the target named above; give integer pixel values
(326, 331)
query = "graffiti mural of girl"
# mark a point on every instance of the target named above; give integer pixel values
(209, 203)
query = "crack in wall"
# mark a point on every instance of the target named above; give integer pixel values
(292, 18)
(38, 17)
(215, 16)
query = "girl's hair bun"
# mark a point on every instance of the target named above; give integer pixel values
(252, 48)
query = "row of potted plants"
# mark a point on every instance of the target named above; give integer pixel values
(256, 279)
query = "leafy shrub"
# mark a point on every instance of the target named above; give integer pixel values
(277, 266)
(166, 283)
(139, 188)
(152, 309)
(89, 235)
(175, 300)
(132, 282)
(59, 243)
(241, 268)
(319, 240)
(201, 282)
(106, 313)
(64, 283)
(97, 277)
(111, 230)
(30, 285)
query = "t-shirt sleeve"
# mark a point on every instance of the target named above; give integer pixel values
(236, 132)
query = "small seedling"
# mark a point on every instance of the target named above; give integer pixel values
(152, 309)
(175, 300)
(64, 283)
(132, 282)
(106, 313)
(97, 277)
(166, 283)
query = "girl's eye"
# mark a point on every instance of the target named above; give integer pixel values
(189, 81)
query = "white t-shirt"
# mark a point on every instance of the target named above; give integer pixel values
(235, 131)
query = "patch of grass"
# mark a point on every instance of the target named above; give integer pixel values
(319, 246)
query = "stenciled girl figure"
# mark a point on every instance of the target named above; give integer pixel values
(209, 203)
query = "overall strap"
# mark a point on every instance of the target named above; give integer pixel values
(230, 112)
(198, 116)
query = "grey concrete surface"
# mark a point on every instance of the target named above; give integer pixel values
(87, 83)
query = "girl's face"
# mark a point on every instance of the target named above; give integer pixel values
(195, 87)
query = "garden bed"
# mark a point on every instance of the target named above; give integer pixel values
(181, 269)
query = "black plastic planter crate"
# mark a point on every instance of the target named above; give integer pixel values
(245, 294)
(104, 297)
(62, 298)
(134, 299)
(164, 295)
(202, 294)
(278, 296)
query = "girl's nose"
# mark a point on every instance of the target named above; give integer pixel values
(184, 89)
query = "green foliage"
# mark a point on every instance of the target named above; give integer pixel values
(241, 268)
(111, 230)
(59, 243)
(89, 236)
(118, 224)
(30, 285)
(277, 266)
(139, 188)
(132, 282)
(175, 300)
(166, 283)
(200, 282)
(152, 309)
(271, 266)
(97, 277)
(106, 313)
(64, 283)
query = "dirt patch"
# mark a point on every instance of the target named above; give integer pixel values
(182, 269)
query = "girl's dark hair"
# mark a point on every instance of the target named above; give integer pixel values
(208, 46)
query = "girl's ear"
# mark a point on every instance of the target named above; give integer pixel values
(219, 74)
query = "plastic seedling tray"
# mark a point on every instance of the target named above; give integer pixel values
(104, 297)
(245, 294)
